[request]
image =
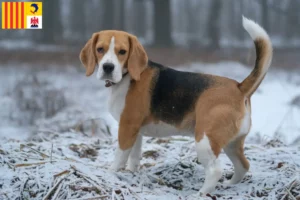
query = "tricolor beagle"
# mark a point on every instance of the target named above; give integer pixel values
(150, 99)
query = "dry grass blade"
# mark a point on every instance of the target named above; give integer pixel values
(135, 194)
(88, 179)
(57, 192)
(10, 166)
(151, 154)
(61, 173)
(22, 188)
(30, 164)
(108, 130)
(290, 194)
(288, 190)
(84, 188)
(92, 182)
(50, 192)
(22, 146)
(51, 153)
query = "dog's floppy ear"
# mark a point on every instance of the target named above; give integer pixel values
(138, 59)
(88, 55)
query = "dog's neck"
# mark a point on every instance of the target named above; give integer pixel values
(118, 97)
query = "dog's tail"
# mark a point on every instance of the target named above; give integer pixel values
(264, 52)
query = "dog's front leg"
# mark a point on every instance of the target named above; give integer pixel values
(127, 136)
(135, 154)
(121, 157)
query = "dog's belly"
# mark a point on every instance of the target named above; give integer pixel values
(163, 130)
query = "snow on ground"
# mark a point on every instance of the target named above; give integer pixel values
(83, 136)
(168, 171)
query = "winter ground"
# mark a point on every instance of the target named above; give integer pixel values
(67, 155)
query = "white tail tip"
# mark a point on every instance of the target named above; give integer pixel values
(254, 30)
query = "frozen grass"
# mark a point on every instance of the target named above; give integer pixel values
(67, 156)
(77, 167)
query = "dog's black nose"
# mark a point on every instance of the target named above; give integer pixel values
(108, 67)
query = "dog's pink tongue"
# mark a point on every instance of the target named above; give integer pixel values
(108, 83)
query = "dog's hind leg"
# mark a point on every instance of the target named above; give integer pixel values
(213, 132)
(235, 151)
(211, 164)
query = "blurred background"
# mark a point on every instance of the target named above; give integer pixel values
(205, 30)
(43, 86)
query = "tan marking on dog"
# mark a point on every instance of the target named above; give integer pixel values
(135, 58)
(219, 112)
(136, 110)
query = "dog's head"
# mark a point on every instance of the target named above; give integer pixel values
(115, 53)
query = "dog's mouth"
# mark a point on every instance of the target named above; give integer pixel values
(109, 83)
(108, 80)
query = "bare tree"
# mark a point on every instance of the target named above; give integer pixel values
(108, 18)
(265, 15)
(52, 26)
(213, 31)
(162, 23)
(77, 22)
(121, 19)
(192, 23)
(238, 22)
(139, 25)
(292, 19)
(94, 16)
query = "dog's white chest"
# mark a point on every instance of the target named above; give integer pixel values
(118, 97)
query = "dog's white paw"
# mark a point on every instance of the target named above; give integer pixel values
(231, 182)
(133, 166)
(116, 167)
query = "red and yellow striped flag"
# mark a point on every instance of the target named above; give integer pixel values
(21, 15)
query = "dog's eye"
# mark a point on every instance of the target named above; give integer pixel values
(122, 51)
(100, 50)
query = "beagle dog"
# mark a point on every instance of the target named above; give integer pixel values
(149, 99)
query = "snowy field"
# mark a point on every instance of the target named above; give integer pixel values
(66, 155)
